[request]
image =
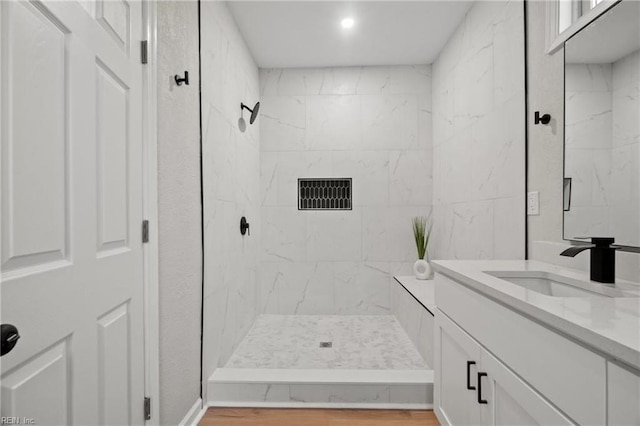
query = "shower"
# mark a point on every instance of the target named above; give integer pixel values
(242, 125)
(254, 111)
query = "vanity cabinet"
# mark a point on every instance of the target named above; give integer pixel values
(475, 388)
(456, 357)
(534, 375)
(623, 391)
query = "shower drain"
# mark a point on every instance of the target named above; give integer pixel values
(326, 344)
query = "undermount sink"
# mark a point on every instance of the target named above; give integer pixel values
(556, 285)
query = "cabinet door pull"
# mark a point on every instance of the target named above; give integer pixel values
(480, 400)
(469, 364)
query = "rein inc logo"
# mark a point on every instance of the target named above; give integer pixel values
(17, 421)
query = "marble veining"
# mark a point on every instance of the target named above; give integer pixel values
(478, 136)
(372, 124)
(415, 316)
(231, 185)
(375, 342)
(602, 140)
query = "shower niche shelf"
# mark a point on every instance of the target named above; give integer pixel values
(324, 194)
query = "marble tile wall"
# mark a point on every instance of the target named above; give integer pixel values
(231, 175)
(588, 138)
(545, 156)
(625, 153)
(602, 137)
(479, 136)
(335, 395)
(416, 321)
(369, 123)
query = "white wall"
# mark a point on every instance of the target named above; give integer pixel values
(479, 137)
(372, 124)
(545, 143)
(180, 253)
(588, 138)
(231, 174)
(545, 153)
(602, 137)
(416, 321)
(625, 156)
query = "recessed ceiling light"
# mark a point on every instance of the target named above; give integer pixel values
(347, 22)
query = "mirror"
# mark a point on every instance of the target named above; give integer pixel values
(602, 128)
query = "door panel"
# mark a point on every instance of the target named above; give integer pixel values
(113, 146)
(45, 379)
(623, 394)
(511, 401)
(114, 17)
(507, 410)
(71, 157)
(34, 89)
(453, 401)
(115, 366)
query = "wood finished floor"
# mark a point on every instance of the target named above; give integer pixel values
(316, 417)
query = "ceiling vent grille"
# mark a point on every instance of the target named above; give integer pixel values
(324, 194)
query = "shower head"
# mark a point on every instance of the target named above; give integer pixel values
(254, 111)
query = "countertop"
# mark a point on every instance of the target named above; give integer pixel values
(421, 290)
(609, 325)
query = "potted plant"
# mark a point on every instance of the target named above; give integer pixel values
(421, 232)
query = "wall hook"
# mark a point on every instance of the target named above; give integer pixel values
(244, 226)
(179, 80)
(544, 119)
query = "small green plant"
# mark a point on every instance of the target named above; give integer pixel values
(421, 233)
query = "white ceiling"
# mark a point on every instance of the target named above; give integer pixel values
(283, 34)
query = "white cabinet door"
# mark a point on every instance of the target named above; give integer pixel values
(623, 394)
(510, 401)
(71, 211)
(473, 388)
(456, 358)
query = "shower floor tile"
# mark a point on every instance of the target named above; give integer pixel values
(357, 342)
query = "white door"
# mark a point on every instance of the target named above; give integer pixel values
(510, 401)
(623, 394)
(71, 211)
(457, 358)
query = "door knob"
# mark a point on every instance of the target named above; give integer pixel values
(9, 337)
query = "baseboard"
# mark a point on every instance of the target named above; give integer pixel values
(335, 405)
(194, 415)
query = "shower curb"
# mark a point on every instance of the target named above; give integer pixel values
(321, 388)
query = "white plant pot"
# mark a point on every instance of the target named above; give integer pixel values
(422, 269)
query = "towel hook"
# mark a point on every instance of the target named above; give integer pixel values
(544, 119)
(179, 80)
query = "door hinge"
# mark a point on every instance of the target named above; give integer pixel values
(145, 231)
(144, 58)
(147, 408)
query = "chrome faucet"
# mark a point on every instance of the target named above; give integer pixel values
(603, 258)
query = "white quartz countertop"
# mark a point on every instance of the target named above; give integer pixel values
(607, 324)
(422, 290)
